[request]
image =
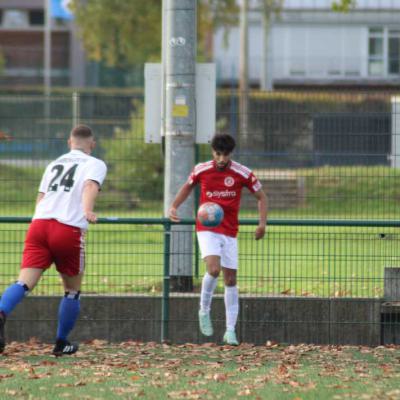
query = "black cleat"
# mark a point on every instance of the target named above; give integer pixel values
(2, 339)
(63, 347)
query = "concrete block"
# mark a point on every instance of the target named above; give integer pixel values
(281, 319)
(390, 323)
(392, 284)
(355, 321)
(285, 320)
(261, 319)
(307, 320)
(183, 324)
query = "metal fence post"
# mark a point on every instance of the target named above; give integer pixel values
(76, 112)
(165, 295)
(196, 206)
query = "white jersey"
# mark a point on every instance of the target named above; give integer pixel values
(63, 182)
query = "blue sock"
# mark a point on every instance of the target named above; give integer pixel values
(68, 312)
(12, 296)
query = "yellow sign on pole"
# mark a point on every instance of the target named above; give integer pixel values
(180, 110)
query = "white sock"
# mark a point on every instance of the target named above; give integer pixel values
(207, 290)
(231, 306)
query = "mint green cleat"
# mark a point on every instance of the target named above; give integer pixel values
(230, 338)
(205, 323)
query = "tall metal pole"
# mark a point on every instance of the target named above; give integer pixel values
(47, 65)
(76, 109)
(179, 69)
(243, 74)
(266, 63)
(47, 48)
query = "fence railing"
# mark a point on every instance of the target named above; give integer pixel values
(325, 251)
(331, 258)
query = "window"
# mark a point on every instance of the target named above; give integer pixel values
(36, 17)
(375, 52)
(15, 19)
(383, 52)
(394, 52)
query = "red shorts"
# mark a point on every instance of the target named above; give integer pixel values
(48, 241)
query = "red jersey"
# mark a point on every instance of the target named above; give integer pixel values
(223, 187)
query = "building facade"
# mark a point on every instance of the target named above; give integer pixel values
(22, 27)
(308, 45)
(311, 45)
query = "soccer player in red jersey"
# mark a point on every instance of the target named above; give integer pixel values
(221, 181)
(64, 207)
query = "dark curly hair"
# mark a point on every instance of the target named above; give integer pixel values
(223, 143)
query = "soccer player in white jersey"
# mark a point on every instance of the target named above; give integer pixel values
(64, 207)
(221, 181)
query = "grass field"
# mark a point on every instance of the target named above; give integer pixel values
(330, 192)
(153, 371)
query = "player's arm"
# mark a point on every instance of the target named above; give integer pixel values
(180, 197)
(44, 184)
(39, 197)
(90, 192)
(262, 212)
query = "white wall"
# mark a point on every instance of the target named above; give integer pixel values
(361, 4)
(298, 51)
(319, 51)
(227, 57)
(310, 41)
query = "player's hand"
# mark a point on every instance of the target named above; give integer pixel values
(260, 232)
(173, 215)
(91, 217)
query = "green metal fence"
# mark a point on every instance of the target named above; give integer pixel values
(308, 258)
(319, 156)
(300, 258)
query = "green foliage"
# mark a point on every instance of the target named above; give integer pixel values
(136, 168)
(343, 5)
(120, 32)
(211, 15)
(2, 62)
(123, 33)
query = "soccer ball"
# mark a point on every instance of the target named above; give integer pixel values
(210, 214)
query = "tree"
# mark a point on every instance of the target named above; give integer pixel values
(2, 62)
(119, 32)
(124, 33)
(268, 9)
(343, 5)
(211, 15)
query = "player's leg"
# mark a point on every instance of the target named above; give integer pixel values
(68, 246)
(36, 258)
(14, 294)
(208, 285)
(209, 282)
(68, 312)
(208, 243)
(27, 280)
(229, 261)
(231, 298)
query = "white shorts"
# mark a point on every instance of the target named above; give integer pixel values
(217, 244)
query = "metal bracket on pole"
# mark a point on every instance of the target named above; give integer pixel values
(179, 133)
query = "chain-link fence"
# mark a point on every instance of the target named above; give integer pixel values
(319, 157)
